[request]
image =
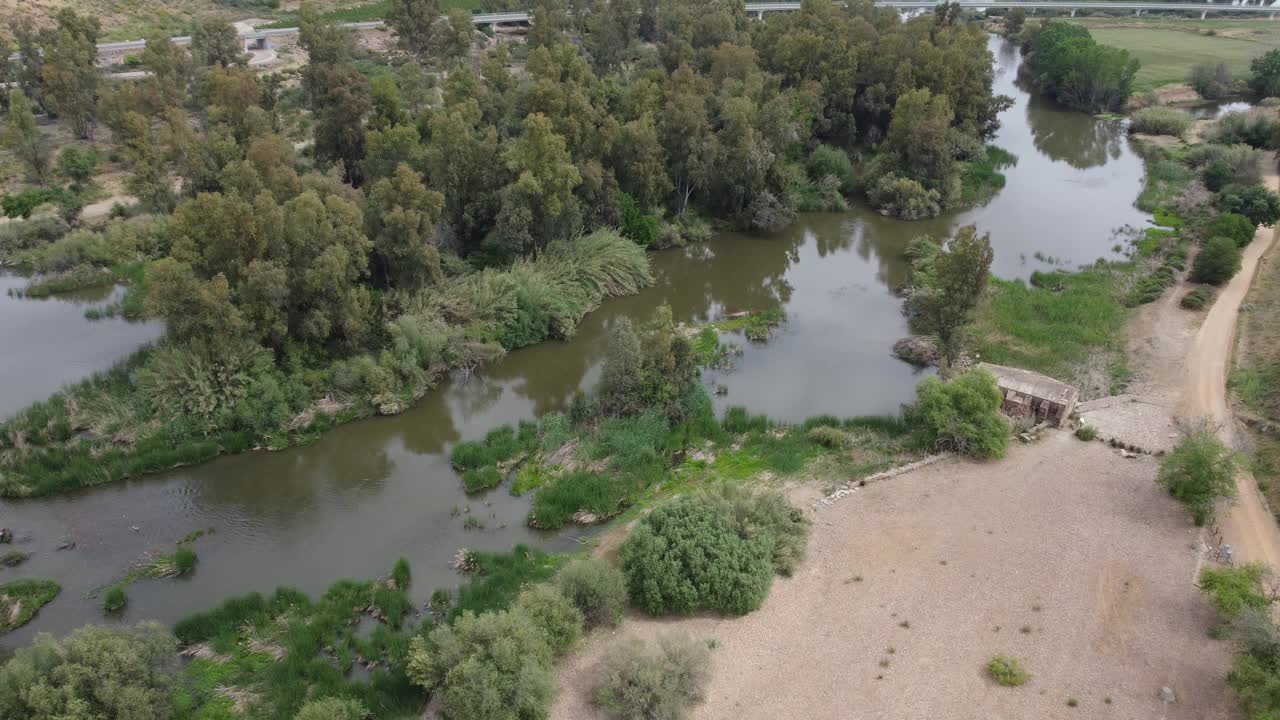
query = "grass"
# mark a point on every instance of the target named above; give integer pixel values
(497, 578)
(1255, 380)
(981, 179)
(14, 558)
(756, 326)
(1059, 328)
(20, 600)
(1169, 47)
(284, 649)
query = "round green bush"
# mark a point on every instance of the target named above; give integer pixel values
(114, 599)
(559, 620)
(961, 415)
(641, 680)
(1255, 202)
(688, 555)
(1233, 225)
(1007, 671)
(1197, 299)
(596, 588)
(1217, 262)
(184, 559)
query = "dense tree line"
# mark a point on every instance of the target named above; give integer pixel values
(397, 244)
(1066, 63)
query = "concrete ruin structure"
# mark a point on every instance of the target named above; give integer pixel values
(1030, 394)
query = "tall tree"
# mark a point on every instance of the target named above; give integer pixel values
(950, 291)
(215, 42)
(22, 137)
(340, 110)
(540, 202)
(414, 22)
(401, 220)
(69, 77)
(459, 163)
(642, 165)
(170, 68)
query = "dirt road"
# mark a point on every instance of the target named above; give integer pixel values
(1249, 527)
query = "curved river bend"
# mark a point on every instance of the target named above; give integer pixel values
(372, 491)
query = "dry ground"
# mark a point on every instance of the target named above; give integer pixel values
(958, 550)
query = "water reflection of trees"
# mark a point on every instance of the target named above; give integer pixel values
(1076, 139)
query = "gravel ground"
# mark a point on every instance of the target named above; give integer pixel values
(1097, 570)
(1137, 422)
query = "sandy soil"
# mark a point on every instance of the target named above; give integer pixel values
(1098, 570)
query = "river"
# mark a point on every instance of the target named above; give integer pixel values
(372, 491)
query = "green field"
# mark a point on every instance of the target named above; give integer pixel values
(1168, 47)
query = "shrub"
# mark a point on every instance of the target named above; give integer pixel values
(558, 618)
(1255, 202)
(904, 197)
(1218, 262)
(961, 415)
(1007, 671)
(184, 559)
(1160, 121)
(114, 599)
(493, 666)
(1198, 472)
(1245, 164)
(1197, 299)
(1232, 225)
(688, 555)
(1087, 433)
(1211, 82)
(1253, 128)
(829, 437)
(1264, 74)
(637, 225)
(829, 161)
(77, 164)
(767, 514)
(641, 680)
(1233, 590)
(333, 708)
(13, 558)
(94, 672)
(596, 588)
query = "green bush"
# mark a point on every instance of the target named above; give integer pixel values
(94, 672)
(1160, 121)
(333, 708)
(1219, 260)
(1197, 299)
(596, 588)
(1211, 82)
(558, 618)
(114, 599)
(961, 415)
(1255, 202)
(1253, 128)
(689, 555)
(1198, 472)
(830, 161)
(637, 225)
(494, 666)
(1232, 590)
(184, 559)
(1232, 225)
(1007, 671)
(766, 514)
(1086, 432)
(904, 197)
(640, 680)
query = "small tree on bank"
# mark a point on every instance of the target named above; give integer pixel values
(949, 292)
(1198, 472)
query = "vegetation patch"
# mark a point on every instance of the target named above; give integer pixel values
(1007, 671)
(1199, 298)
(656, 679)
(1199, 471)
(20, 600)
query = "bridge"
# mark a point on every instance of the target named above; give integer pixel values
(257, 39)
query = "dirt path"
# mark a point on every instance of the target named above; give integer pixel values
(913, 584)
(1249, 527)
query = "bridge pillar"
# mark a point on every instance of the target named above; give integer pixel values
(255, 43)
(1137, 13)
(1203, 13)
(1073, 12)
(759, 14)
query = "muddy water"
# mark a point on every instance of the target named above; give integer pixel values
(370, 492)
(48, 343)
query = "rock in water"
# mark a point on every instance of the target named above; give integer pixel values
(918, 350)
